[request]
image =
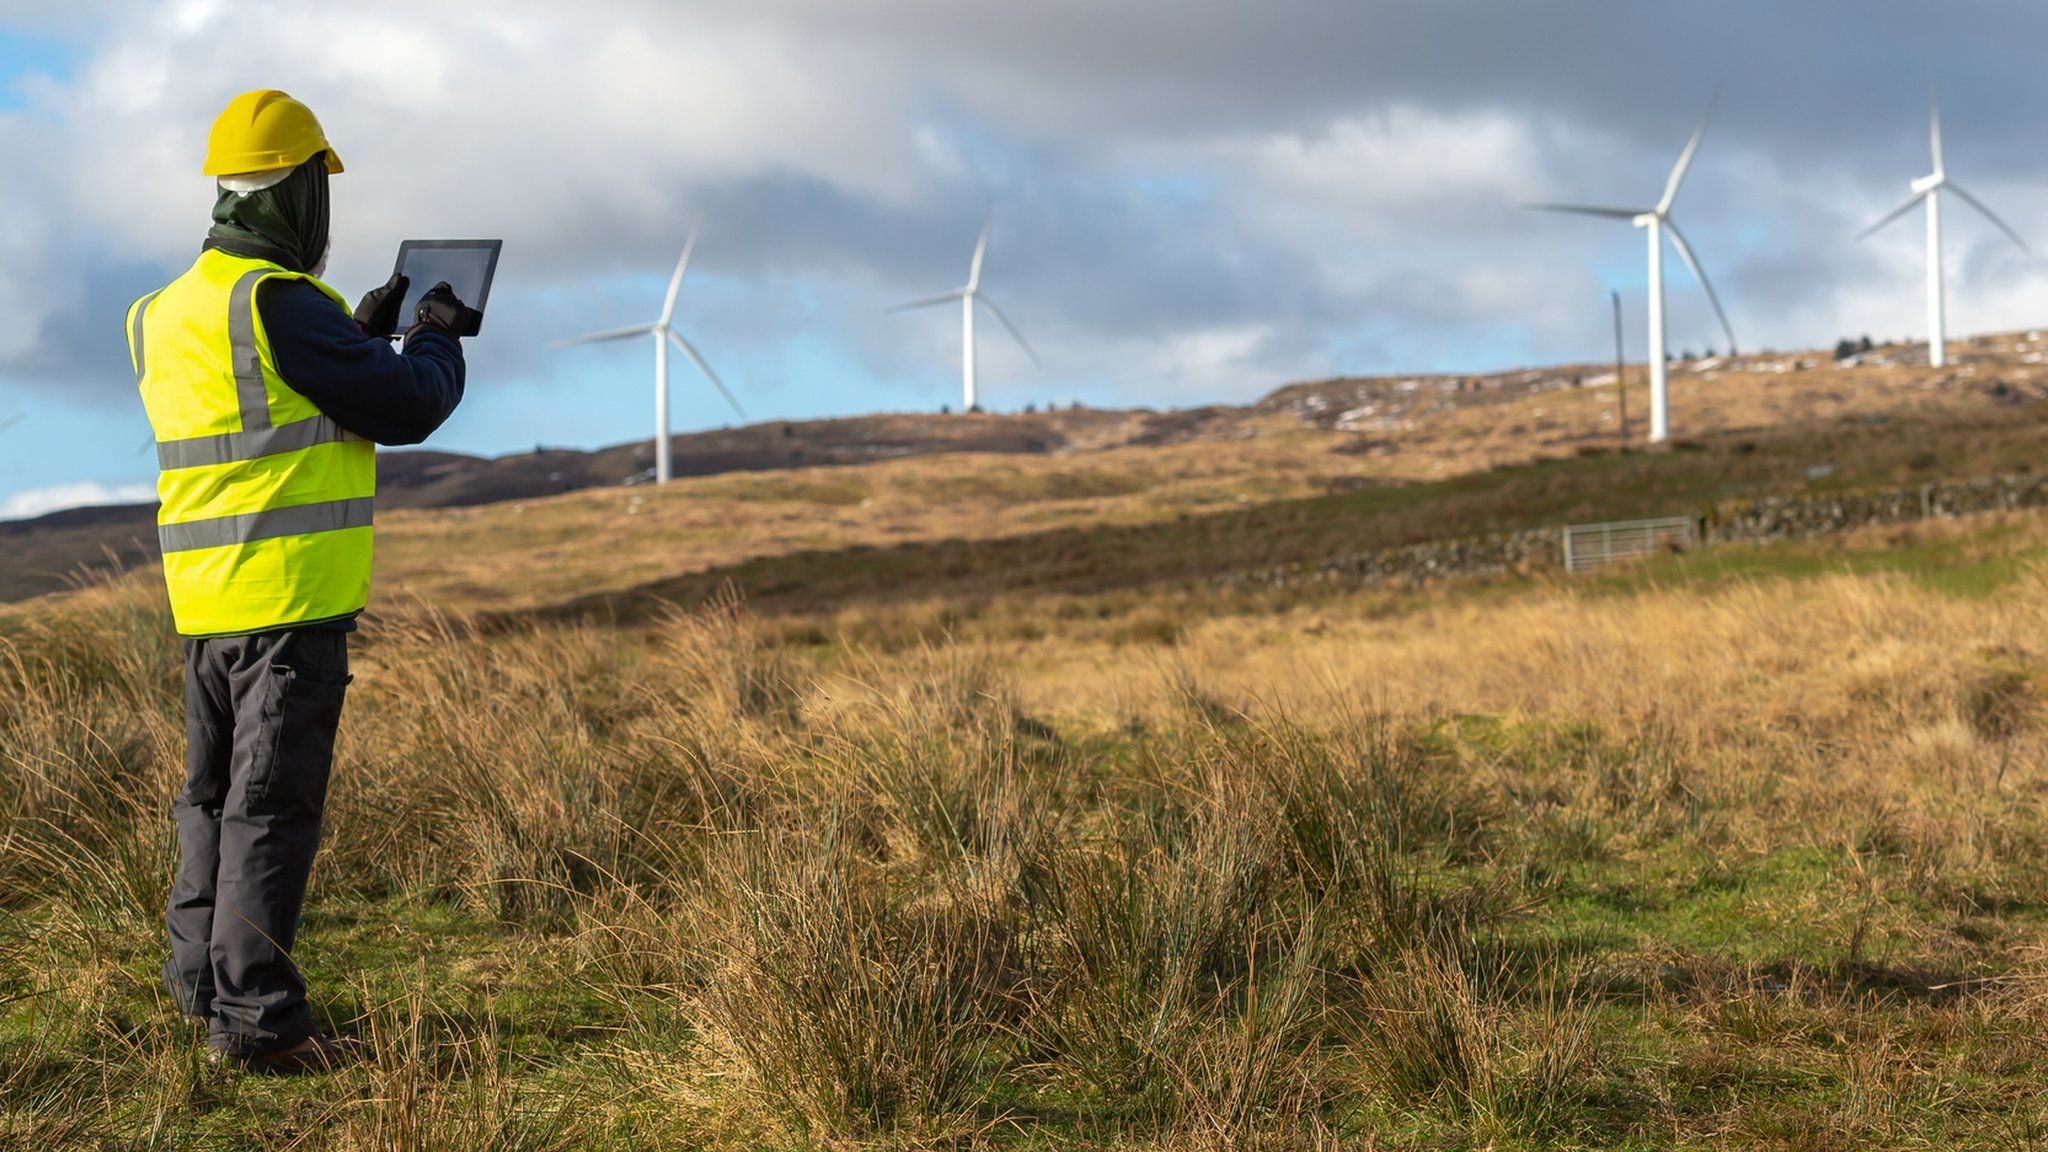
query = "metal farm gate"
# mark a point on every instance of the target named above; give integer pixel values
(1590, 546)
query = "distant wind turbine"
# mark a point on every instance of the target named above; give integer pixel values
(1929, 188)
(969, 297)
(1658, 221)
(664, 335)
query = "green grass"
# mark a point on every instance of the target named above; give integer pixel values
(1972, 565)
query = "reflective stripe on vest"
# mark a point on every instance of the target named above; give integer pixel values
(269, 524)
(243, 353)
(231, 447)
(135, 331)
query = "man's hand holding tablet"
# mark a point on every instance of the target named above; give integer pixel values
(446, 283)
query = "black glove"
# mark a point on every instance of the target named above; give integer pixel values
(378, 313)
(439, 308)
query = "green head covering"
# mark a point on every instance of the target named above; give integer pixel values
(285, 223)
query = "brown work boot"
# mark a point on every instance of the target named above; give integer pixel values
(316, 1053)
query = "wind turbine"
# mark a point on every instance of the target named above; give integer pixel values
(970, 296)
(664, 335)
(1929, 188)
(1658, 222)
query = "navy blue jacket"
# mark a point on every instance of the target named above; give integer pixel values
(361, 382)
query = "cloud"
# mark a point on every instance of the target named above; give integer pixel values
(1198, 197)
(58, 497)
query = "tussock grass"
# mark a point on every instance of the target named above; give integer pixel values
(1747, 865)
(854, 1007)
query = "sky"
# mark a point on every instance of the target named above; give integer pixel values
(1195, 201)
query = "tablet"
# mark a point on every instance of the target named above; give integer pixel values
(467, 266)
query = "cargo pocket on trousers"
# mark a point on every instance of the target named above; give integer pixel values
(301, 718)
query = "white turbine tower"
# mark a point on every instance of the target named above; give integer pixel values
(664, 335)
(970, 296)
(1929, 188)
(1658, 222)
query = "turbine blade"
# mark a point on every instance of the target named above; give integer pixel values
(600, 337)
(1894, 214)
(675, 283)
(1692, 146)
(1973, 202)
(981, 248)
(996, 312)
(1934, 132)
(1700, 274)
(687, 349)
(929, 301)
(11, 421)
(1589, 210)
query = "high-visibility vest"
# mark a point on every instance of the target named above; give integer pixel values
(266, 503)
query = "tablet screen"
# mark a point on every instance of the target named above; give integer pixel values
(467, 266)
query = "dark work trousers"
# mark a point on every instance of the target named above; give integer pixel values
(260, 717)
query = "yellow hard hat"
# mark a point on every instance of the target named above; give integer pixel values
(263, 131)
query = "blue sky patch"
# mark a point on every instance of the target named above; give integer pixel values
(23, 55)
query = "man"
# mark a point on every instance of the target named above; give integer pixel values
(267, 397)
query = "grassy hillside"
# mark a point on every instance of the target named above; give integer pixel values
(49, 553)
(547, 526)
(1293, 479)
(1054, 542)
(1742, 851)
(985, 823)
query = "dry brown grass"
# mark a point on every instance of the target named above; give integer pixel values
(1694, 861)
(1709, 396)
(1747, 863)
(543, 551)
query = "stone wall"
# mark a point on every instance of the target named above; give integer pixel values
(1803, 517)
(1735, 521)
(1415, 563)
